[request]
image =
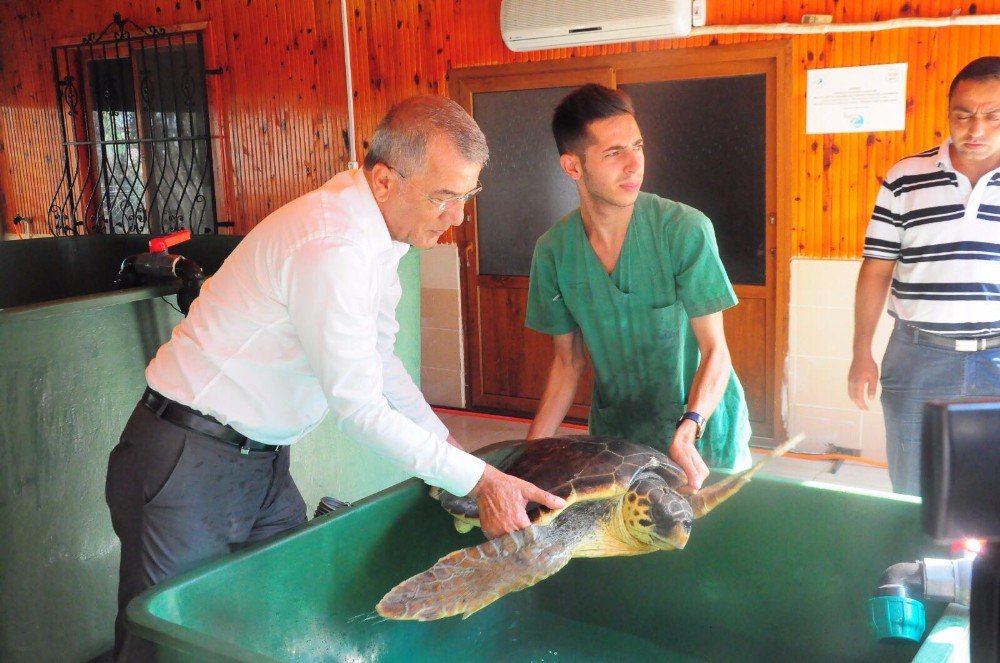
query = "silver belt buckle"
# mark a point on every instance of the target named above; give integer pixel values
(966, 344)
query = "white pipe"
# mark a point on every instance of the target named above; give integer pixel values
(352, 161)
(823, 28)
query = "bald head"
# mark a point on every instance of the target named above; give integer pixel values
(402, 136)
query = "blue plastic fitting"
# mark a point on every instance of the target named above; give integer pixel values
(896, 618)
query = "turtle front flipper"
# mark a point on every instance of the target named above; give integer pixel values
(470, 579)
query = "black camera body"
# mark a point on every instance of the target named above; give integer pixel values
(960, 484)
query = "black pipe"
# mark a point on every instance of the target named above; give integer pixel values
(148, 267)
(984, 613)
(329, 505)
(905, 579)
(192, 279)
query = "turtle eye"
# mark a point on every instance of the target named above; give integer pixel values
(686, 524)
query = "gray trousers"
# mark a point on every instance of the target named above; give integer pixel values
(178, 499)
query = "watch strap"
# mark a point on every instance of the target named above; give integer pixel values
(698, 420)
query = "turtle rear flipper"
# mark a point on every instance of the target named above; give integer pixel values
(470, 579)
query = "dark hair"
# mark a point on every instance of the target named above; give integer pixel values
(977, 70)
(401, 137)
(573, 115)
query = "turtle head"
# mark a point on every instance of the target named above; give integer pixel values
(656, 515)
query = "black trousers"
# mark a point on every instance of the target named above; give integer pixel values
(178, 499)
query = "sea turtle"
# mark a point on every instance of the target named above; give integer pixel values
(622, 499)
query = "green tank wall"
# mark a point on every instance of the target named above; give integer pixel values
(781, 572)
(70, 374)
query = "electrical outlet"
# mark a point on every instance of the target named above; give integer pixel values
(817, 19)
(698, 13)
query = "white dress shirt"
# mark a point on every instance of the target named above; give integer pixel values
(300, 320)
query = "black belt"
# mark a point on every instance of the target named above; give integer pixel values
(958, 344)
(197, 422)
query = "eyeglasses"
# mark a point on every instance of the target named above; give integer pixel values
(444, 204)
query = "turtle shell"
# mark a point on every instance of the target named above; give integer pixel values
(575, 468)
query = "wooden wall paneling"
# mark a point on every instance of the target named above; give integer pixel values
(278, 106)
(6, 220)
(283, 70)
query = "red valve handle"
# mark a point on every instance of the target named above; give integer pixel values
(974, 546)
(160, 244)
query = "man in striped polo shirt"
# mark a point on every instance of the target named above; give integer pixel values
(933, 244)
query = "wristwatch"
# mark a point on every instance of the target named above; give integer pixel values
(698, 420)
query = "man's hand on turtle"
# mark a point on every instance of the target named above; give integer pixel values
(502, 500)
(684, 453)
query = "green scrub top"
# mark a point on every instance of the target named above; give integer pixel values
(635, 323)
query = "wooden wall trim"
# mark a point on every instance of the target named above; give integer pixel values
(784, 221)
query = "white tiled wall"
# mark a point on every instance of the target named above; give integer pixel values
(442, 375)
(821, 327)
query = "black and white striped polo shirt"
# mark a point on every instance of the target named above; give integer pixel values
(944, 235)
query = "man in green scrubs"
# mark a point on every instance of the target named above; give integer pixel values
(637, 280)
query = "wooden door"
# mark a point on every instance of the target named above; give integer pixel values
(710, 144)
(526, 192)
(507, 363)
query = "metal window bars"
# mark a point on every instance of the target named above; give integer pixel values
(133, 110)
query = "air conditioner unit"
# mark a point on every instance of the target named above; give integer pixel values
(531, 25)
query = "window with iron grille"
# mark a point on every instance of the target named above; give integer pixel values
(136, 138)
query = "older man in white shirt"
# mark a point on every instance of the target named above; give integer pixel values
(300, 321)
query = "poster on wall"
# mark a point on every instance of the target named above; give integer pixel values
(856, 99)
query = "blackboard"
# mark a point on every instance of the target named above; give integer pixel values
(524, 190)
(704, 146)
